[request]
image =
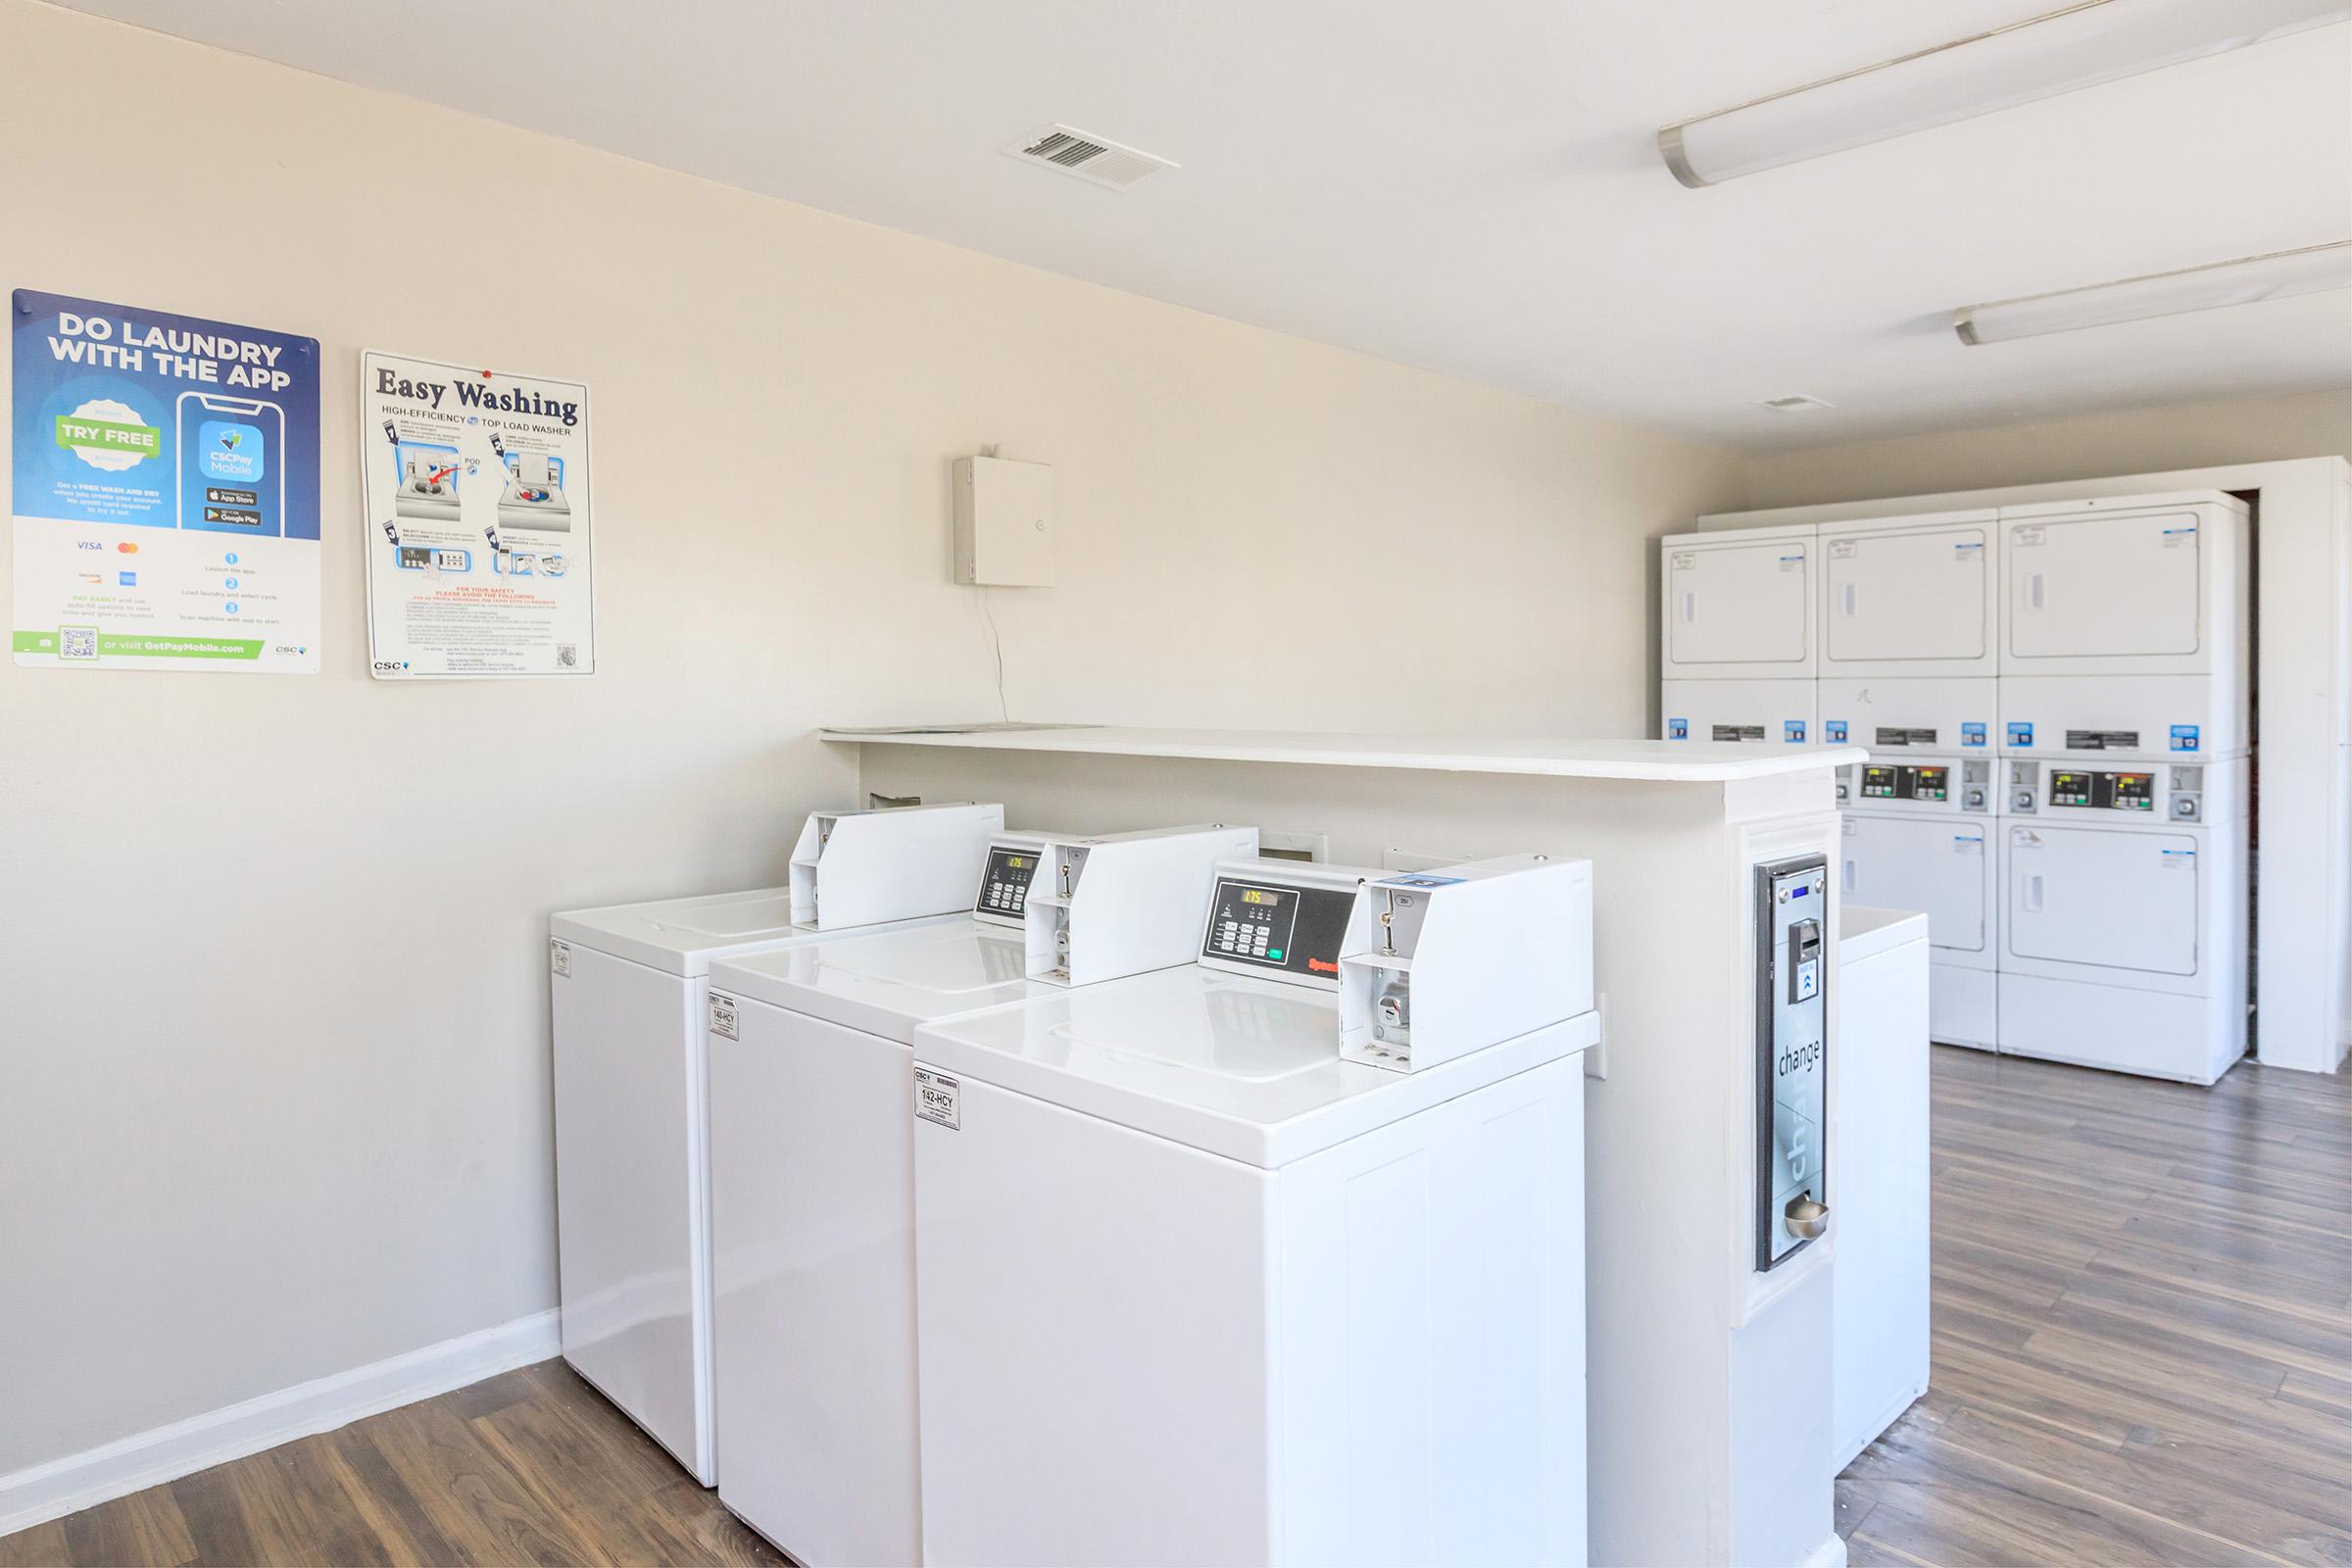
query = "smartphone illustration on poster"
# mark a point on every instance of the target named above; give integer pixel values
(231, 473)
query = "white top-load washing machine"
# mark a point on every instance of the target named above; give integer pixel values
(2125, 628)
(2124, 914)
(1195, 1287)
(1917, 832)
(629, 987)
(812, 1169)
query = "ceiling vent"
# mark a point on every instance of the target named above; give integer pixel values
(1090, 158)
(1795, 403)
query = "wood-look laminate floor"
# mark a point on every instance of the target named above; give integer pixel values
(2142, 1355)
(2142, 1325)
(532, 1467)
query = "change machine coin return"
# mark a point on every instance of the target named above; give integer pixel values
(1791, 1048)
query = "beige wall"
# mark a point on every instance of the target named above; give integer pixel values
(273, 1068)
(2178, 435)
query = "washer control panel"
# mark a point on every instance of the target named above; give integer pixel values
(1003, 896)
(1292, 928)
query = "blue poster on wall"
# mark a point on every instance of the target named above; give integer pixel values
(165, 490)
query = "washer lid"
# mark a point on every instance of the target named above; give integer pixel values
(1229, 1064)
(887, 980)
(681, 936)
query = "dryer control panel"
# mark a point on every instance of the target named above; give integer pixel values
(1793, 1072)
(1964, 785)
(2097, 789)
(2175, 791)
(1881, 781)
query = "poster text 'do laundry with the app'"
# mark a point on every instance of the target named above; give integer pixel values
(165, 490)
(476, 489)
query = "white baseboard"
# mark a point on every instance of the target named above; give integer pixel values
(1831, 1553)
(44, 1492)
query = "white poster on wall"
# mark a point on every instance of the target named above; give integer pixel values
(479, 543)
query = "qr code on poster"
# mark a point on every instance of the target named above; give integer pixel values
(567, 656)
(78, 642)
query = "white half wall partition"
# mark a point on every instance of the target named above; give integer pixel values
(1709, 1380)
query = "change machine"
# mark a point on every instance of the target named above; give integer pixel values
(1792, 1069)
(1737, 648)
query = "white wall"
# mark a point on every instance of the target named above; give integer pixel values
(2177, 435)
(273, 1079)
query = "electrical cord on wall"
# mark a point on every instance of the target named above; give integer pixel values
(996, 647)
(996, 640)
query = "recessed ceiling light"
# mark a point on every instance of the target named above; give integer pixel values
(1094, 159)
(2276, 275)
(1794, 402)
(2077, 46)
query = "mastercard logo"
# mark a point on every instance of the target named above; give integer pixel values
(128, 547)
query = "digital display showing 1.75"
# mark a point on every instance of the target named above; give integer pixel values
(1258, 896)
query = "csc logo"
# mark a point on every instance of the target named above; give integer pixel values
(385, 665)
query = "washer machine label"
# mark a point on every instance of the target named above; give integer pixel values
(723, 1017)
(559, 958)
(938, 1098)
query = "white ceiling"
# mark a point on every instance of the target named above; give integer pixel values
(1470, 186)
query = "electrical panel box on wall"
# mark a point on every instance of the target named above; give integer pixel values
(1003, 523)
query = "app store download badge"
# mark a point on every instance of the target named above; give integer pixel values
(230, 451)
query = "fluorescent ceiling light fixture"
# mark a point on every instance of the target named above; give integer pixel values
(2040, 57)
(2311, 270)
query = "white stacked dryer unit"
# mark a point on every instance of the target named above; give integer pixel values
(1910, 627)
(1918, 833)
(2127, 725)
(1910, 655)
(811, 1171)
(2126, 631)
(629, 987)
(1736, 653)
(2123, 926)
(1210, 1271)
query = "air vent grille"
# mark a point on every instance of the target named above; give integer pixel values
(1094, 158)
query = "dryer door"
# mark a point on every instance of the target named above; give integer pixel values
(2116, 898)
(1918, 594)
(2097, 587)
(1931, 864)
(1741, 603)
